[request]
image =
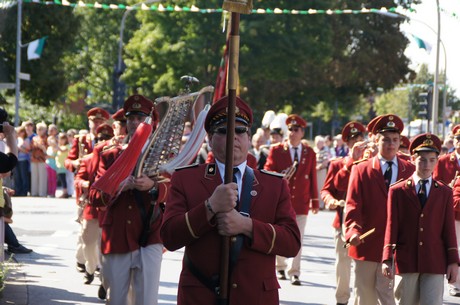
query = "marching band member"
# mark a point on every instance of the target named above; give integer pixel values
(334, 199)
(256, 211)
(420, 244)
(302, 184)
(90, 231)
(366, 210)
(127, 258)
(447, 170)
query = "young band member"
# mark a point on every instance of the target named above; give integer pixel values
(420, 233)
(352, 133)
(366, 210)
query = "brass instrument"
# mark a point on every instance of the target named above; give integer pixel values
(164, 145)
(290, 171)
(452, 183)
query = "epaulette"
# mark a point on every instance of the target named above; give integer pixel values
(185, 167)
(271, 173)
(360, 161)
(396, 182)
(441, 182)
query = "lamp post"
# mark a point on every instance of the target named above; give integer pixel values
(435, 104)
(119, 87)
(18, 64)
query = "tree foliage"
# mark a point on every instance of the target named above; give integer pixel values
(318, 65)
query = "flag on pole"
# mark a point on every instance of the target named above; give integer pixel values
(423, 44)
(35, 48)
(221, 82)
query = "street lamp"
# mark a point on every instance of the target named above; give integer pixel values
(119, 87)
(435, 106)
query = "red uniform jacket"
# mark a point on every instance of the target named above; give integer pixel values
(446, 170)
(343, 174)
(303, 183)
(87, 172)
(457, 197)
(275, 232)
(74, 152)
(425, 238)
(367, 206)
(330, 193)
(122, 223)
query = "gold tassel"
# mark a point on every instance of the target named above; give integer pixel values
(238, 6)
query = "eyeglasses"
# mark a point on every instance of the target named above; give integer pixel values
(294, 129)
(238, 130)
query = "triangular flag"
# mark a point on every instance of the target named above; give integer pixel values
(423, 44)
(35, 48)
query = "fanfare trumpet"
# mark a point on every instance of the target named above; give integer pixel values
(290, 171)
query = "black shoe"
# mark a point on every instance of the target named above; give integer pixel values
(19, 249)
(282, 275)
(295, 280)
(102, 293)
(88, 278)
(81, 267)
(342, 303)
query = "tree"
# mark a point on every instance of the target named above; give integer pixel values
(48, 81)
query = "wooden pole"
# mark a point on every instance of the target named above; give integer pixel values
(234, 47)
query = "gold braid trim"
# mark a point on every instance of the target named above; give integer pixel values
(273, 239)
(189, 226)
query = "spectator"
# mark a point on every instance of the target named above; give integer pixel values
(341, 149)
(322, 162)
(63, 151)
(39, 177)
(51, 169)
(21, 171)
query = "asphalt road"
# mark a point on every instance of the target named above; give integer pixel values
(48, 276)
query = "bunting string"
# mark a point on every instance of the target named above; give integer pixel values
(5, 4)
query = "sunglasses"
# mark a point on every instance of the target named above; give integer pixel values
(295, 129)
(238, 130)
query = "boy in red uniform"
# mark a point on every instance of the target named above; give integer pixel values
(421, 230)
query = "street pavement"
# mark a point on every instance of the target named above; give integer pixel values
(47, 276)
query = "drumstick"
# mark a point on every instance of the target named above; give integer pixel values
(347, 245)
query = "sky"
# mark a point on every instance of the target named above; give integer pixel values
(424, 25)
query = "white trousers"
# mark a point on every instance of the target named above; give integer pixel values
(281, 263)
(371, 287)
(419, 289)
(39, 179)
(91, 238)
(139, 269)
(342, 269)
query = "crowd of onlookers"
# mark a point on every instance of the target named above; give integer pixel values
(42, 150)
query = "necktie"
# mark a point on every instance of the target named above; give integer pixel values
(236, 170)
(388, 174)
(422, 196)
(296, 156)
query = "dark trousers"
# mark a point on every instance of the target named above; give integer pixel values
(21, 178)
(10, 237)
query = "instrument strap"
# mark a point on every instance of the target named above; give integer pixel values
(145, 217)
(245, 205)
(211, 283)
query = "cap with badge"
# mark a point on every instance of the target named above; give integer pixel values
(119, 115)
(97, 113)
(404, 142)
(456, 131)
(104, 131)
(388, 122)
(425, 142)
(217, 114)
(295, 120)
(352, 129)
(371, 123)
